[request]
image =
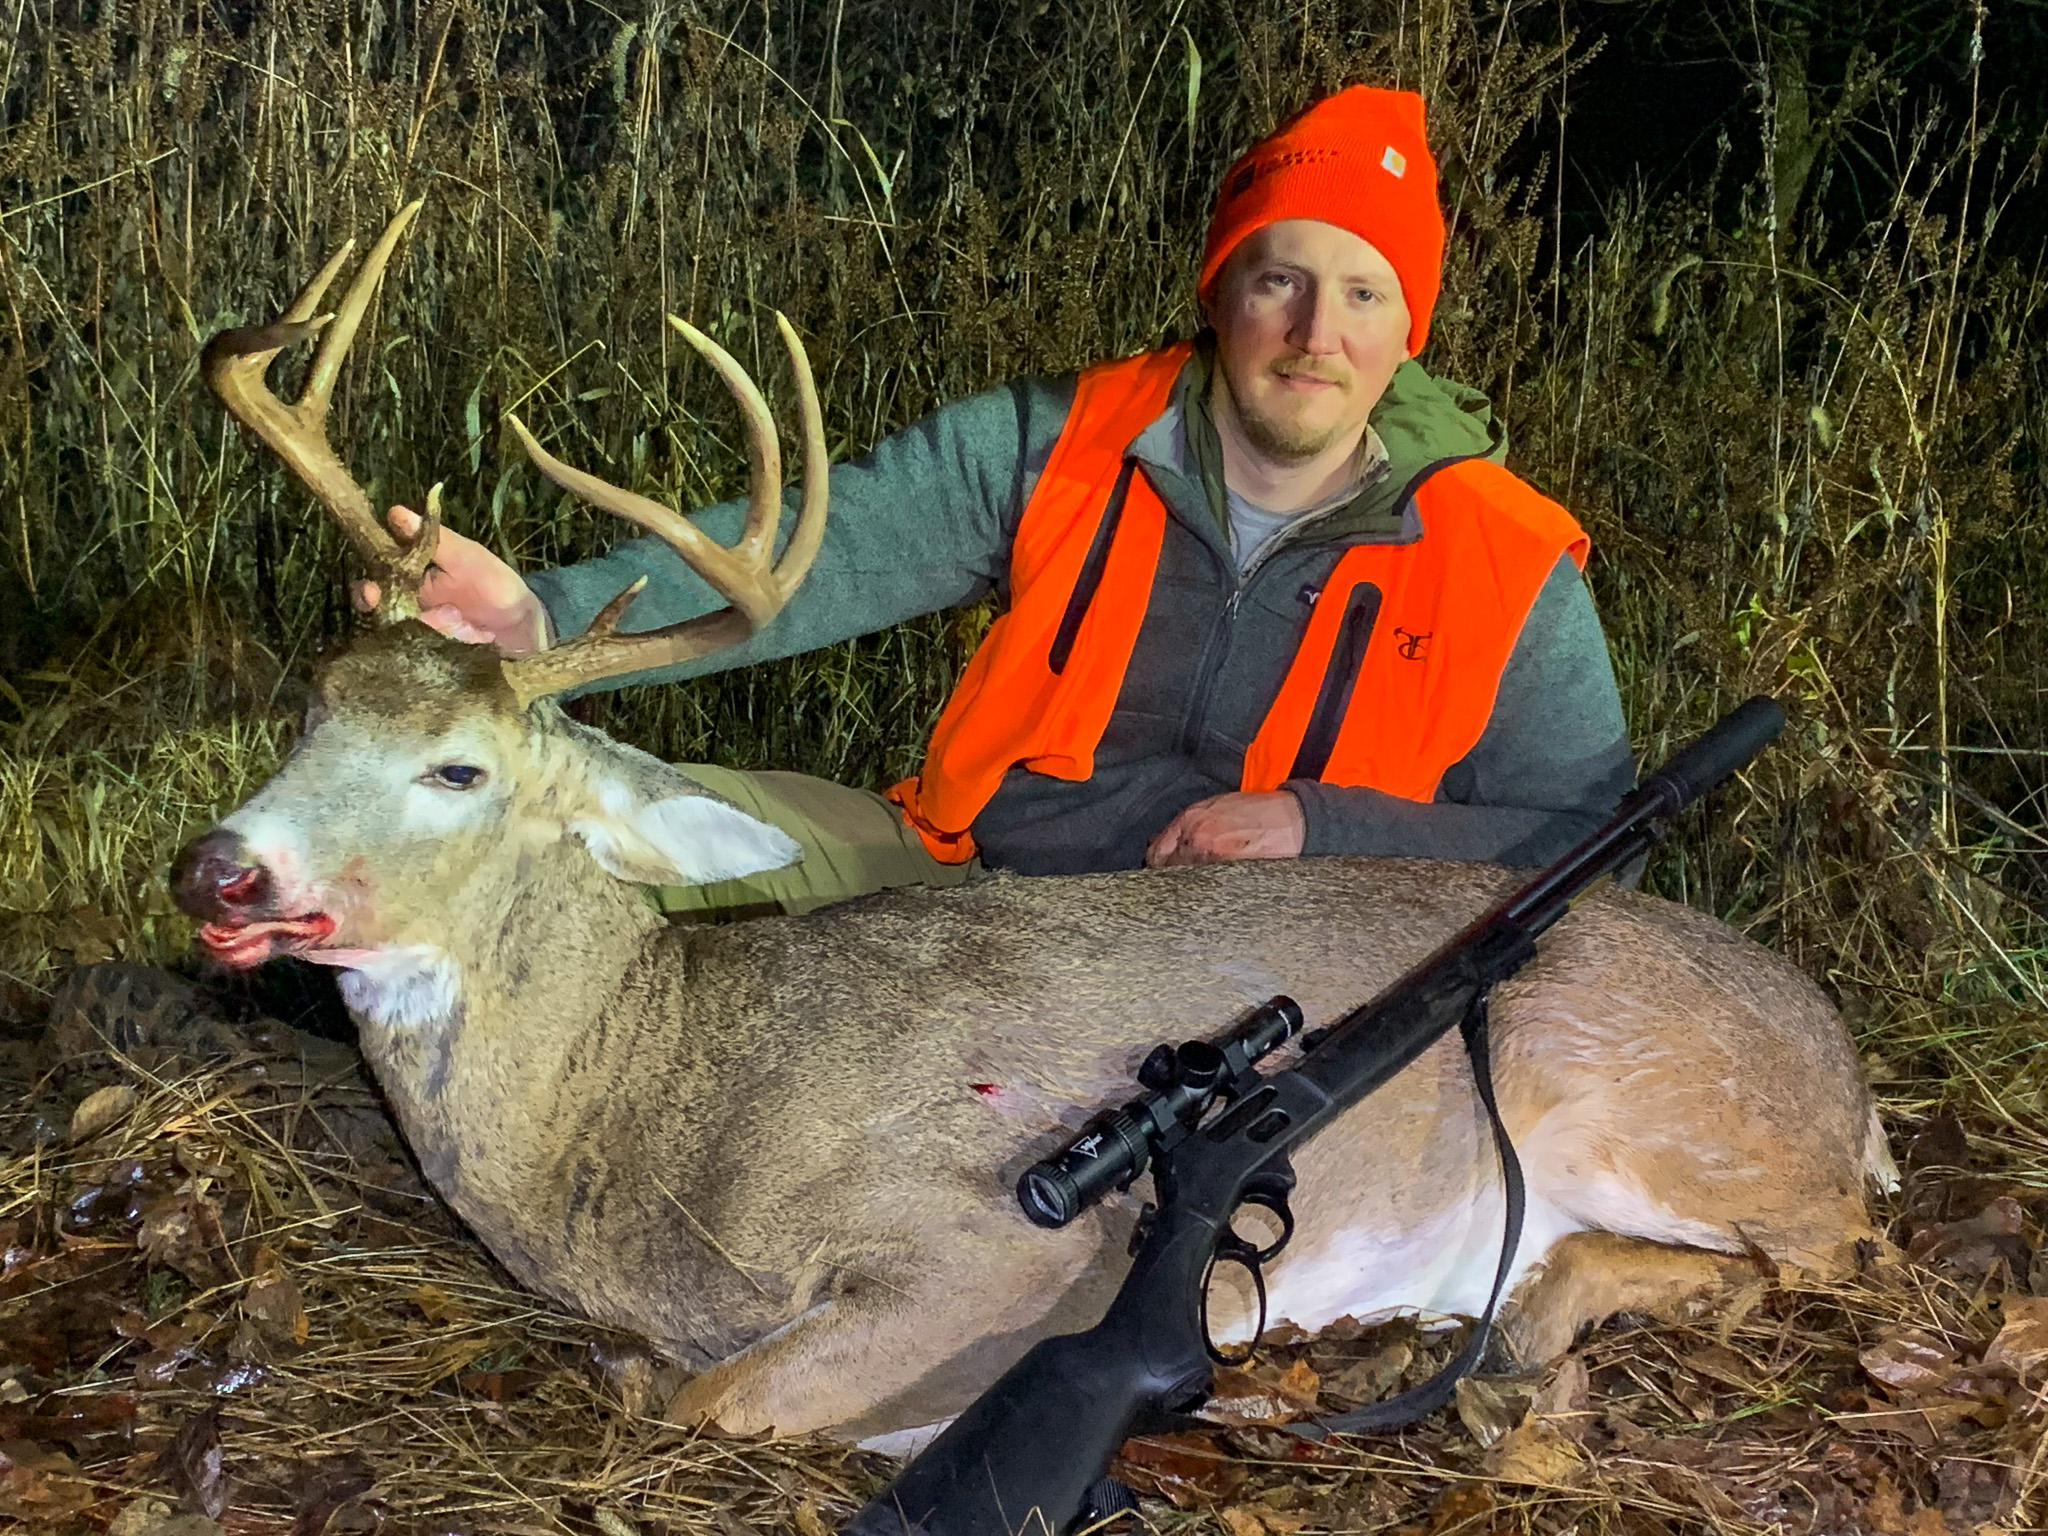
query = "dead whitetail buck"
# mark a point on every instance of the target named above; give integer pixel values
(783, 1150)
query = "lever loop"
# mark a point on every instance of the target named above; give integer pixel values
(1276, 1202)
(1234, 1250)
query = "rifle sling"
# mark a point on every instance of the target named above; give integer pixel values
(1405, 1408)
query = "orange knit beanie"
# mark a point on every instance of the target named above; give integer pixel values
(1359, 160)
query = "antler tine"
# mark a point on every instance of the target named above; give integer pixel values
(234, 364)
(341, 333)
(764, 452)
(744, 574)
(809, 532)
(728, 575)
(307, 304)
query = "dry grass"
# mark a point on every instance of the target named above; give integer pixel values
(239, 1262)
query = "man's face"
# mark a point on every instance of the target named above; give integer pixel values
(1310, 325)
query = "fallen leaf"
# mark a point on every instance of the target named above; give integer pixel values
(1922, 1423)
(1907, 1360)
(1975, 1493)
(38, 1485)
(1536, 1453)
(808, 1521)
(159, 1368)
(435, 1303)
(191, 1463)
(1490, 1406)
(72, 1420)
(1263, 1442)
(1884, 1512)
(1695, 1491)
(1973, 1246)
(2022, 1343)
(324, 1487)
(1243, 1521)
(100, 1109)
(183, 1232)
(153, 1517)
(1939, 1143)
(498, 1386)
(272, 1300)
(1371, 1377)
(1719, 1363)
(1261, 1395)
(1566, 1396)
(1300, 1384)
(88, 933)
(1276, 1512)
(1189, 1471)
(1460, 1507)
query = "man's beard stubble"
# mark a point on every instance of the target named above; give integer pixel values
(1287, 440)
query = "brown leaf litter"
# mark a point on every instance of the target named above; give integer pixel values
(232, 1309)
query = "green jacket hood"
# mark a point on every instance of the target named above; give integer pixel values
(1422, 420)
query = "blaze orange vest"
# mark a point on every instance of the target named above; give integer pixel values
(1040, 688)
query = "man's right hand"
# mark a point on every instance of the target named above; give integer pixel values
(469, 593)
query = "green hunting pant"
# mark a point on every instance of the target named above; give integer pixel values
(854, 843)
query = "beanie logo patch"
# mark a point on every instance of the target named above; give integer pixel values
(1394, 162)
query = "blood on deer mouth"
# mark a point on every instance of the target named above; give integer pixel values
(241, 945)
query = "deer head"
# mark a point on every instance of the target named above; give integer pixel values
(433, 778)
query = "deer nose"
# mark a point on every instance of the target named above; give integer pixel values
(211, 879)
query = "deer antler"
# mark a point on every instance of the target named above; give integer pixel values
(745, 575)
(234, 364)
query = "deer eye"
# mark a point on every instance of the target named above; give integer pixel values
(457, 776)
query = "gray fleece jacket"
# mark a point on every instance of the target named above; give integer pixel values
(924, 523)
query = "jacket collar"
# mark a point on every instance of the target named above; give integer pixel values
(1420, 421)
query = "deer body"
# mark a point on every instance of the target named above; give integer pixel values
(784, 1150)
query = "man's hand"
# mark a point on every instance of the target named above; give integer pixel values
(1266, 824)
(469, 594)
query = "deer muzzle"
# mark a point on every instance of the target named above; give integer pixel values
(213, 878)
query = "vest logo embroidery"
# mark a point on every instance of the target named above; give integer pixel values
(1413, 647)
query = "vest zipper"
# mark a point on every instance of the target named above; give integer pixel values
(1205, 678)
(1219, 633)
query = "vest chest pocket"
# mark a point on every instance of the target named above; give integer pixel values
(1340, 679)
(1089, 582)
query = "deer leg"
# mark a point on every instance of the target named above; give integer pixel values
(873, 1340)
(1587, 1277)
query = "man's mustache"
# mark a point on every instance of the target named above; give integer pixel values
(1302, 368)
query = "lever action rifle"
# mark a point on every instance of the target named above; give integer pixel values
(1029, 1451)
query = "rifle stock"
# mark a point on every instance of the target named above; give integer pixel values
(1024, 1454)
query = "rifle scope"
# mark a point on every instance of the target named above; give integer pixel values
(1184, 1081)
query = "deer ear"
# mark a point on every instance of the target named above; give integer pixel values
(648, 823)
(690, 839)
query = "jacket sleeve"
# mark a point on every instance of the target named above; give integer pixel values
(921, 524)
(1551, 766)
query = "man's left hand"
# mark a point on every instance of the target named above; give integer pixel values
(1266, 824)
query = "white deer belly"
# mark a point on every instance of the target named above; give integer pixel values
(1439, 1269)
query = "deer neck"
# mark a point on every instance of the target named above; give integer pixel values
(469, 1033)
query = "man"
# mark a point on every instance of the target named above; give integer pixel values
(1265, 595)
